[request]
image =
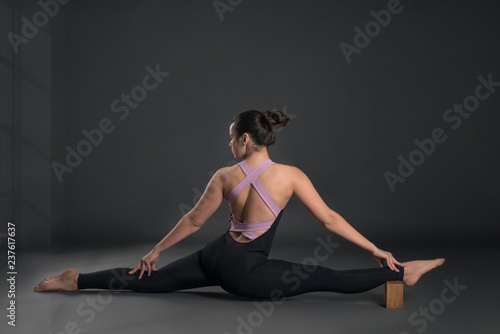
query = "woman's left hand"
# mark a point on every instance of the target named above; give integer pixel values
(380, 256)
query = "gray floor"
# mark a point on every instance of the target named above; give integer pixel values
(211, 310)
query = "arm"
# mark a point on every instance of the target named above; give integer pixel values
(333, 222)
(191, 222)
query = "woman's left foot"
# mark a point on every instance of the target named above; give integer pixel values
(415, 269)
(67, 281)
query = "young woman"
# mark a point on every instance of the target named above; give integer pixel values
(257, 190)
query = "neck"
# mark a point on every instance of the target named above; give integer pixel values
(255, 158)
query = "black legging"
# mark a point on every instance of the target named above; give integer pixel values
(242, 269)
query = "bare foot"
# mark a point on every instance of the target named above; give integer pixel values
(415, 269)
(67, 281)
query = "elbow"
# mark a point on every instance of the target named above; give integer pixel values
(193, 223)
(331, 219)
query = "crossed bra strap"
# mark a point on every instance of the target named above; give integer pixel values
(248, 229)
(252, 178)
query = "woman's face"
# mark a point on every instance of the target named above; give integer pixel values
(236, 144)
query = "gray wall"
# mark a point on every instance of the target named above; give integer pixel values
(26, 106)
(350, 121)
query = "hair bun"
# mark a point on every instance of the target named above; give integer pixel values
(276, 118)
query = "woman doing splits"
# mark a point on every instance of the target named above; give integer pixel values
(257, 190)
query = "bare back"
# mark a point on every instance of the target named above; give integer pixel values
(249, 207)
(279, 181)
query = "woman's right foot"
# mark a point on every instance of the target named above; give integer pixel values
(67, 281)
(415, 269)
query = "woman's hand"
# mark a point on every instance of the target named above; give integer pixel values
(380, 256)
(148, 261)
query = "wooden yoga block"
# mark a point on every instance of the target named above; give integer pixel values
(393, 294)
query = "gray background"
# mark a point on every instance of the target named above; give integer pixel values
(349, 123)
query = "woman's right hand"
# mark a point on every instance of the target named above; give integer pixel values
(148, 261)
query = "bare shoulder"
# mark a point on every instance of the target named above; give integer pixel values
(290, 171)
(279, 171)
(290, 175)
(299, 182)
(223, 174)
(307, 194)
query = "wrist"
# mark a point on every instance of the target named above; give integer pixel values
(371, 248)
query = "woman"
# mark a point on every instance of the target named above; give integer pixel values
(257, 190)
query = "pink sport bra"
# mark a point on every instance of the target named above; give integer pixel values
(248, 229)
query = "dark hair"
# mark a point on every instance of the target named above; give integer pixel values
(260, 126)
